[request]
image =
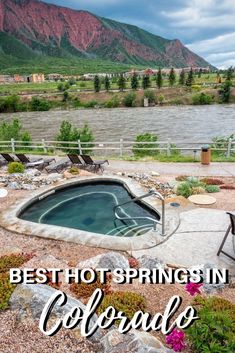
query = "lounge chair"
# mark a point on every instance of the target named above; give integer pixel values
(57, 167)
(39, 162)
(98, 165)
(8, 157)
(74, 158)
(231, 228)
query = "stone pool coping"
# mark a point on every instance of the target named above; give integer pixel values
(9, 220)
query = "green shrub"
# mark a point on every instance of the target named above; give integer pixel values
(90, 104)
(10, 104)
(74, 170)
(215, 331)
(141, 150)
(112, 103)
(6, 263)
(38, 104)
(202, 99)
(184, 189)
(130, 100)
(150, 95)
(212, 188)
(196, 87)
(15, 167)
(161, 99)
(127, 302)
(6, 290)
(12, 130)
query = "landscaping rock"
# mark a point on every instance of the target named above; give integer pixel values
(147, 261)
(110, 260)
(132, 342)
(207, 287)
(30, 300)
(155, 173)
(14, 185)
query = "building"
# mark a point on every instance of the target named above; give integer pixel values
(54, 77)
(36, 78)
(6, 79)
(17, 78)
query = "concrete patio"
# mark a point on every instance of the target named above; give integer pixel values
(192, 169)
(196, 241)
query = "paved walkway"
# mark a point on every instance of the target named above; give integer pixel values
(191, 169)
(196, 241)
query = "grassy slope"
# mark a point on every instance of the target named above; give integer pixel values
(21, 59)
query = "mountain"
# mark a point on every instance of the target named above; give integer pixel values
(33, 30)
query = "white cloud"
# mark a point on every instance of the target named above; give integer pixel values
(219, 50)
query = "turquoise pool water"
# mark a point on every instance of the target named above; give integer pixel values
(90, 207)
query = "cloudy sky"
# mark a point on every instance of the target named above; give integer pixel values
(207, 27)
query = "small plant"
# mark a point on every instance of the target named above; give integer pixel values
(181, 178)
(127, 302)
(151, 96)
(176, 340)
(202, 99)
(85, 290)
(15, 167)
(146, 147)
(112, 103)
(38, 104)
(184, 189)
(74, 170)
(14, 260)
(196, 190)
(130, 100)
(161, 99)
(6, 263)
(212, 181)
(227, 187)
(133, 262)
(90, 104)
(212, 188)
(215, 331)
(6, 290)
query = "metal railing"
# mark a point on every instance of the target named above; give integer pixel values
(116, 148)
(155, 221)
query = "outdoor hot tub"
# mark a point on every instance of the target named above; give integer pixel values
(108, 212)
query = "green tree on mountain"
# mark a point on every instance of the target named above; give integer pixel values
(159, 79)
(190, 78)
(182, 78)
(107, 83)
(146, 82)
(172, 77)
(134, 81)
(121, 82)
(97, 83)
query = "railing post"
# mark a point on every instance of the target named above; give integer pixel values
(13, 145)
(168, 152)
(121, 147)
(229, 148)
(44, 146)
(79, 147)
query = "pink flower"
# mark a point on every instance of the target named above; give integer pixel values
(176, 339)
(193, 288)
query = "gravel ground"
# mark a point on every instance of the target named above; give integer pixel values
(25, 337)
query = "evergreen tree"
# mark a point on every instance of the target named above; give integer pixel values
(190, 78)
(107, 83)
(200, 73)
(134, 81)
(146, 82)
(159, 79)
(182, 78)
(121, 82)
(97, 83)
(229, 74)
(172, 77)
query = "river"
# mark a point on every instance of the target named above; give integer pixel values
(174, 122)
